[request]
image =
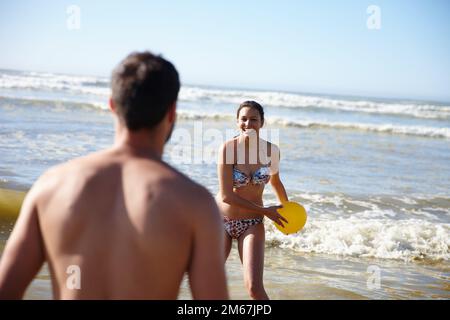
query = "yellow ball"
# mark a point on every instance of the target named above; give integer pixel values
(295, 214)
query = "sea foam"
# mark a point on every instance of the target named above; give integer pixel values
(406, 240)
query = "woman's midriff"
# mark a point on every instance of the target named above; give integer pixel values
(234, 212)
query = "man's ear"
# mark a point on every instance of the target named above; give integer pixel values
(172, 114)
(112, 107)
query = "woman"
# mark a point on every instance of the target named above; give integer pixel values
(246, 164)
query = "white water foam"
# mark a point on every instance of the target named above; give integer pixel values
(377, 238)
(73, 84)
(100, 86)
(293, 100)
(421, 131)
(335, 206)
(380, 227)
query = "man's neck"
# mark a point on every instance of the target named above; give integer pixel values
(140, 143)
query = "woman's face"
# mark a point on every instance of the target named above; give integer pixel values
(249, 118)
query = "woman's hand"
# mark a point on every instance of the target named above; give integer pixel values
(272, 214)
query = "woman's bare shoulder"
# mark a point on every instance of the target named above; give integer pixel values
(230, 142)
(271, 145)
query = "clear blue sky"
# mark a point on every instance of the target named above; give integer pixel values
(306, 46)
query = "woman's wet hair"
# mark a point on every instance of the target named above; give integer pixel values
(144, 86)
(251, 104)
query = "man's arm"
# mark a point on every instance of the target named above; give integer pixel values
(207, 264)
(24, 252)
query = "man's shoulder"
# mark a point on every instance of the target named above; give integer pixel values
(75, 168)
(181, 189)
(75, 164)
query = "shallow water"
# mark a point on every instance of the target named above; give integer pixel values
(373, 174)
(292, 276)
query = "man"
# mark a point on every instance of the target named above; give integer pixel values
(121, 223)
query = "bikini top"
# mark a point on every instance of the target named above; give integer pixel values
(260, 176)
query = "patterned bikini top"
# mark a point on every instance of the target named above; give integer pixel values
(260, 176)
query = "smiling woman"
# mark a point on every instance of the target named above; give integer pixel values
(241, 185)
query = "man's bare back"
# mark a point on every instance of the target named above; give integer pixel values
(127, 222)
(120, 223)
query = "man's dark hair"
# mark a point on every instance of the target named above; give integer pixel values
(143, 87)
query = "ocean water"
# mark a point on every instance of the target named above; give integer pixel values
(373, 174)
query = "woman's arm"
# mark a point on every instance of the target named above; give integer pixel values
(275, 180)
(278, 187)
